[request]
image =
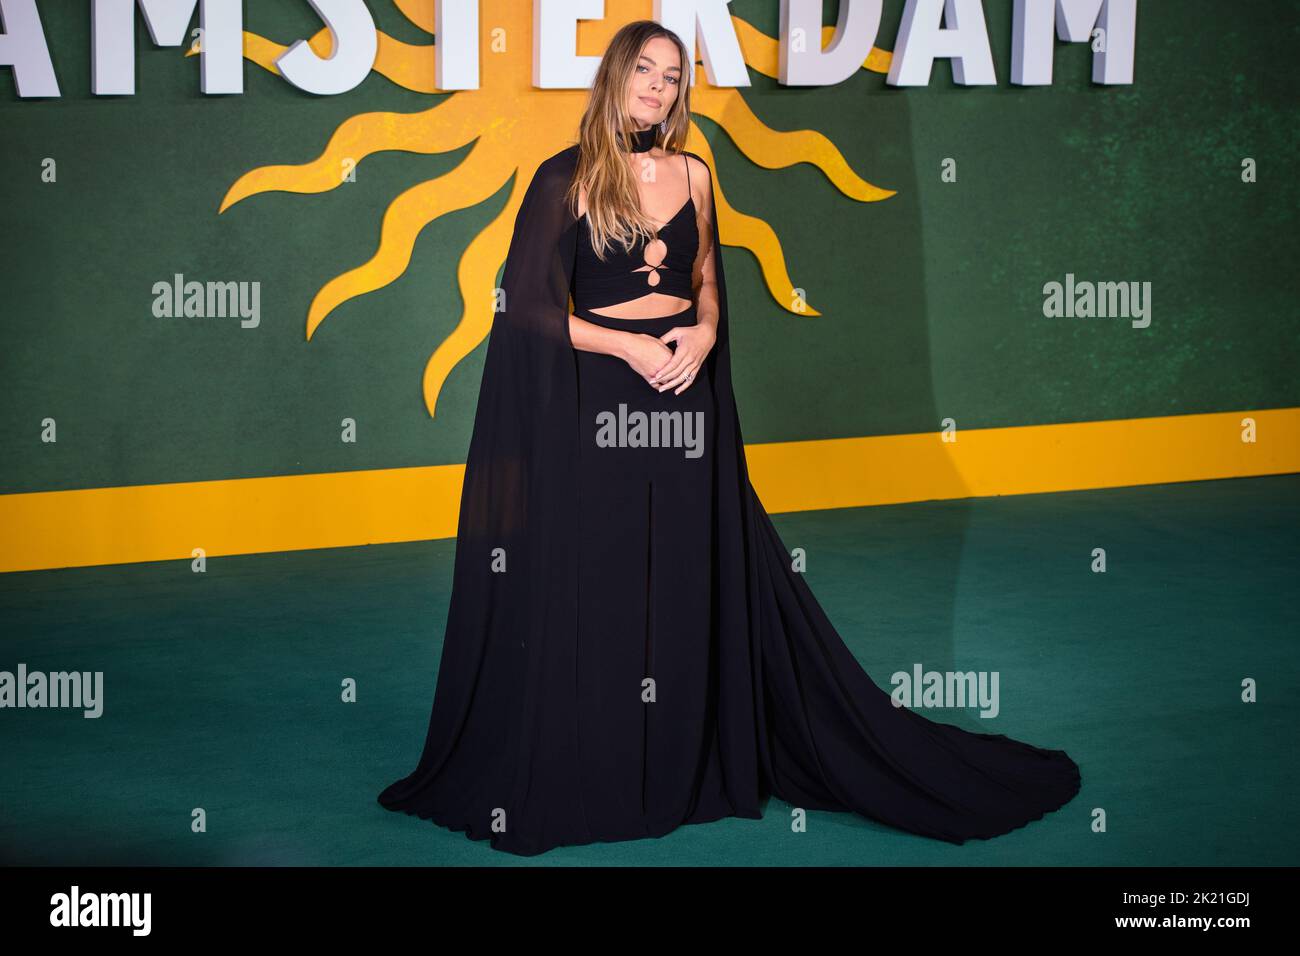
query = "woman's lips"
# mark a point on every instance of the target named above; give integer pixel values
(651, 101)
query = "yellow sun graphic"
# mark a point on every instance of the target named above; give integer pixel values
(514, 127)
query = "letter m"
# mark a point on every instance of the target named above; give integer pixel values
(1031, 37)
(112, 46)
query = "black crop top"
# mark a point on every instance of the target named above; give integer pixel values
(625, 276)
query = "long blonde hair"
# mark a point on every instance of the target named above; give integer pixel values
(613, 201)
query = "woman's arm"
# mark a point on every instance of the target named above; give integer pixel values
(694, 342)
(590, 337)
(704, 277)
(645, 354)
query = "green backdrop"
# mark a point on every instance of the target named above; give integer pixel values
(930, 300)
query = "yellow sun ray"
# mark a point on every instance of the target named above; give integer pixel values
(476, 277)
(775, 149)
(512, 133)
(450, 125)
(408, 214)
(420, 13)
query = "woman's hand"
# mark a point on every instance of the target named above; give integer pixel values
(693, 345)
(646, 354)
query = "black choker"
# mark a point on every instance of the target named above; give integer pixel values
(643, 140)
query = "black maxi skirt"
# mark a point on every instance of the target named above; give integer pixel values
(646, 728)
(646, 731)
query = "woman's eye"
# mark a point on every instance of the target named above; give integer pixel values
(671, 79)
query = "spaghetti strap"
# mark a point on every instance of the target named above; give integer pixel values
(689, 194)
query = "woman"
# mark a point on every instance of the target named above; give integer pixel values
(627, 647)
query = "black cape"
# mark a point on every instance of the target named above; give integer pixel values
(797, 716)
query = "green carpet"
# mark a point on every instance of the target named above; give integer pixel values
(222, 689)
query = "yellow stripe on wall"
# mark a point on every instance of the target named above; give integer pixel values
(1028, 459)
(59, 529)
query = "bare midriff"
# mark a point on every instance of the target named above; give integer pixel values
(651, 306)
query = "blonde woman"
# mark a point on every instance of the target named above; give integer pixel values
(627, 648)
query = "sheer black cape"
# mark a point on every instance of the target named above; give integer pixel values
(796, 714)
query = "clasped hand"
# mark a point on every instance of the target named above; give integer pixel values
(665, 368)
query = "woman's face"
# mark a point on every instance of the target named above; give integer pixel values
(655, 79)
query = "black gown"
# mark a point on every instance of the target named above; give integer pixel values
(628, 648)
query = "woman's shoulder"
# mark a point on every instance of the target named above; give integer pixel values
(701, 178)
(697, 164)
(550, 180)
(558, 166)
